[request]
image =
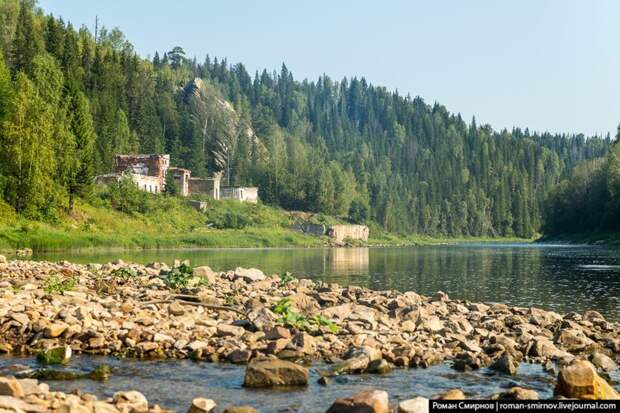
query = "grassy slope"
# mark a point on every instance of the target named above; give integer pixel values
(174, 224)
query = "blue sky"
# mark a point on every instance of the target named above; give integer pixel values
(550, 65)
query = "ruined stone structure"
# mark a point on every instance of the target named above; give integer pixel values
(149, 174)
(209, 186)
(242, 194)
(181, 178)
(340, 233)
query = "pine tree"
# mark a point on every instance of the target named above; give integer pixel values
(26, 43)
(82, 128)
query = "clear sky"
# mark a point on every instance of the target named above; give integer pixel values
(544, 64)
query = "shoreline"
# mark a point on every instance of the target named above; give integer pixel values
(246, 302)
(245, 317)
(423, 241)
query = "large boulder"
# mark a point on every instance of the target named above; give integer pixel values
(516, 393)
(240, 409)
(10, 387)
(506, 363)
(579, 380)
(603, 362)
(132, 401)
(201, 405)
(417, 405)
(249, 274)
(274, 373)
(452, 394)
(369, 401)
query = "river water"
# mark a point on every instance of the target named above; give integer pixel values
(555, 277)
(562, 278)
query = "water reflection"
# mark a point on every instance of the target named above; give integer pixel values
(554, 277)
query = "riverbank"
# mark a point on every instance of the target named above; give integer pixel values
(156, 311)
(609, 238)
(169, 222)
(242, 316)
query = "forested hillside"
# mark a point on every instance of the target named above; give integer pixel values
(70, 99)
(589, 200)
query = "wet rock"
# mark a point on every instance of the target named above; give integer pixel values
(453, 394)
(241, 409)
(379, 367)
(603, 362)
(54, 330)
(356, 360)
(240, 356)
(417, 405)
(132, 401)
(56, 355)
(369, 401)
(506, 363)
(5, 348)
(274, 373)
(10, 387)
(574, 340)
(202, 406)
(516, 393)
(579, 380)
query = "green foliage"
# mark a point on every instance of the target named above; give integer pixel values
(124, 273)
(286, 279)
(172, 188)
(55, 284)
(347, 149)
(587, 202)
(289, 317)
(359, 211)
(178, 277)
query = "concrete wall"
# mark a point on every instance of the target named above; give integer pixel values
(143, 165)
(341, 232)
(208, 186)
(242, 194)
(181, 178)
(146, 183)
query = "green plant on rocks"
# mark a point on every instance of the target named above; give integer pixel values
(54, 356)
(287, 278)
(55, 284)
(290, 317)
(178, 277)
(124, 273)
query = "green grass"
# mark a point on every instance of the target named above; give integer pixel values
(170, 222)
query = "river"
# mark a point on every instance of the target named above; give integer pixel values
(558, 277)
(555, 277)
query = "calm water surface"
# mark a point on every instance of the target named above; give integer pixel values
(556, 277)
(174, 384)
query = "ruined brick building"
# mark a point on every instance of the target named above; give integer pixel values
(149, 173)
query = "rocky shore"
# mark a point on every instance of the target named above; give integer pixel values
(244, 316)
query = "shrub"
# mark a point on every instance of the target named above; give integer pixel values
(55, 284)
(178, 277)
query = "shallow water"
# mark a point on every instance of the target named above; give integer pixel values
(173, 384)
(556, 277)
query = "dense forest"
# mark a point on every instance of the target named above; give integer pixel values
(588, 200)
(70, 99)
